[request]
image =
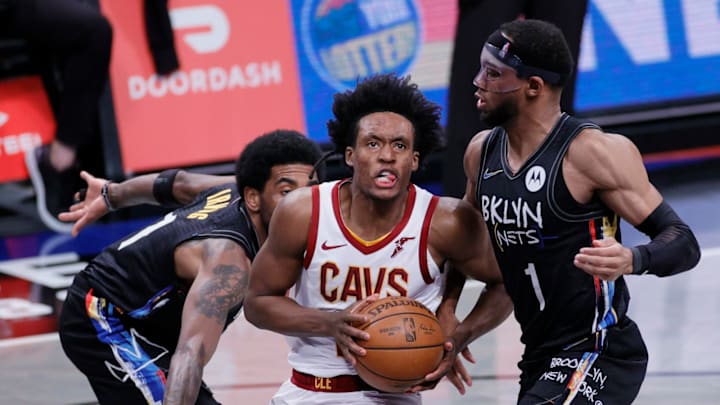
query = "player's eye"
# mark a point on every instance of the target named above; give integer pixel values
(493, 74)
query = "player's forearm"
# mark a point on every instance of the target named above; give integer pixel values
(184, 187)
(491, 309)
(135, 191)
(284, 315)
(673, 247)
(184, 377)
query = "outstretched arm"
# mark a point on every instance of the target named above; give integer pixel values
(222, 270)
(138, 190)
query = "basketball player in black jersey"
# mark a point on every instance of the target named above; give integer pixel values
(552, 189)
(144, 317)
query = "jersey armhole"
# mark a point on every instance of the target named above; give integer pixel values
(313, 231)
(424, 236)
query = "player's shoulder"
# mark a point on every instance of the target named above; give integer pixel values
(473, 150)
(297, 201)
(593, 144)
(229, 189)
(476, 143)
(455, 225)
(452, 212)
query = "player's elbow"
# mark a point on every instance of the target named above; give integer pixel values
(693, 257)
(251, 309)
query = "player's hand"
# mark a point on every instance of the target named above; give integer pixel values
(346, 334)
(451, 365)
(90, 205)
(607, 259)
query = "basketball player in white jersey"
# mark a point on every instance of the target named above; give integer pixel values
(336, 244)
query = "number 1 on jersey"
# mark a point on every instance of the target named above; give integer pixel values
(530, 271)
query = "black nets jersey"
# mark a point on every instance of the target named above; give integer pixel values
(137, 274)
(537, 228)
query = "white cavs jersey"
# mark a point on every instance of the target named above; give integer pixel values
(340, 269)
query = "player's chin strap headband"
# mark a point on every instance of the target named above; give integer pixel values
(523, 70)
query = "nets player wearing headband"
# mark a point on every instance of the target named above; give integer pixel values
(552, 189)
(145, 316)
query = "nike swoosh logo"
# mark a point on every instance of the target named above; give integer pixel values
(325, 246)
(488, 174)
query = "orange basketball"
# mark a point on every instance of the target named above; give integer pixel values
(406, 343)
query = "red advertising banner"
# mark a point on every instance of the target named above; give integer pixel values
(237, 79)
(26, 121)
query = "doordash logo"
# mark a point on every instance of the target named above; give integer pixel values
(206, 30)
(209, 17)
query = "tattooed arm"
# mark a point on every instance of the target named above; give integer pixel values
(219, 268)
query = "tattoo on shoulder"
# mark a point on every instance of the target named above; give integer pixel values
(225, 290)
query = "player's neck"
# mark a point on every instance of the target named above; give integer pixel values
(260, 229)
(368, 217)
(527, 132)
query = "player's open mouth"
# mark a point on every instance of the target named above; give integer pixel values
(385, 179)
(480, 101)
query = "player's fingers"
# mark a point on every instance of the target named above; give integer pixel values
(86, 176)
(76, 207)
(80, 224)
(607, 241)
(355, 319)
(80, 195)
(467, 354)
(349, 332)
(345, 352)
(597, 261)
(355, 349)
(440, 371)
(360, 305)
(462, 373)
(69, 216)
(600, 251)
(602, 272)
(457, 382)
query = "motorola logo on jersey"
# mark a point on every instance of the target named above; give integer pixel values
(535, 178)
(211, 19)
(377, 36)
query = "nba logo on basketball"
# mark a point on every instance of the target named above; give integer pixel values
(409, 325)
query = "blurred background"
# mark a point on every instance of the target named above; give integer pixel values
(191, 82)
(646, 69)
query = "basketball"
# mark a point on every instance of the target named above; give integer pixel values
(406, 343)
